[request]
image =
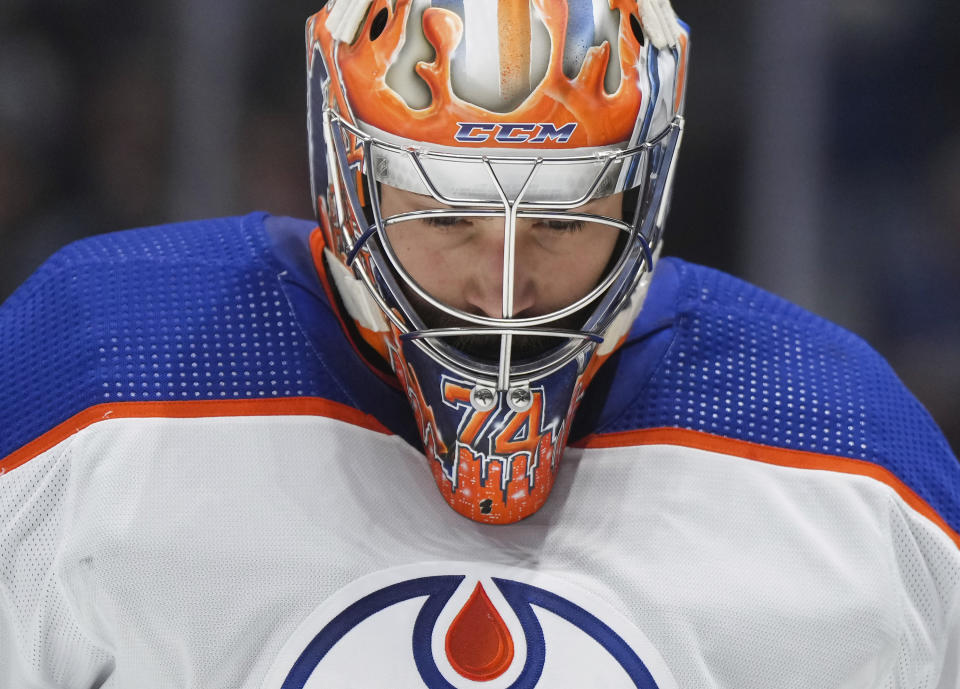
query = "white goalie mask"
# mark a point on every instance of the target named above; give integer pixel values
(444, 132)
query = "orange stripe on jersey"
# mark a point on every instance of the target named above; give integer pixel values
(194, 409)
(798, 459)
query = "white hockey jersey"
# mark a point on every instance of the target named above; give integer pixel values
(205, 486)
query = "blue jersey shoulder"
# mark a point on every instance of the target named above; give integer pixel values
(191, 311)
(739, 362)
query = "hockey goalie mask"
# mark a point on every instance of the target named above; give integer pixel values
(492, 177)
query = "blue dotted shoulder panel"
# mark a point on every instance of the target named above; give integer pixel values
(193, 311)
(742, 363)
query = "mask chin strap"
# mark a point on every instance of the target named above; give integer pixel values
(357, 300)
(660, 23)
(346, 17)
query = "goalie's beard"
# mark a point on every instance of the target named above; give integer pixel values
(486, 348)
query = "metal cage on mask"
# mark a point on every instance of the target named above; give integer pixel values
(511, 187)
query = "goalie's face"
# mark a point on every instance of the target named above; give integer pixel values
(459, 260)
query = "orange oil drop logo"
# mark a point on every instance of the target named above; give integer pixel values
(478, 644)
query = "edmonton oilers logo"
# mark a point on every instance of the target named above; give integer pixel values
(463, 625)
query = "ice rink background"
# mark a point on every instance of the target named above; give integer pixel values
(822, 156)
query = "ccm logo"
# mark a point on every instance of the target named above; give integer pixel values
(514, 133)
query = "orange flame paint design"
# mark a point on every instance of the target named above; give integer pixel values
(603, 119)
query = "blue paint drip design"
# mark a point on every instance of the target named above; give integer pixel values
(315, 88)
(455, 6)
(653, 74)
(580, 32)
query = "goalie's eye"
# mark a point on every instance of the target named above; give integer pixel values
(447, 221)
(560, 225)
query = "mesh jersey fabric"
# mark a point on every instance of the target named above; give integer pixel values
(233, 309)
(215, 550)
(191, 311)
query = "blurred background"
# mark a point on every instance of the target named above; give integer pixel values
(822, 156)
